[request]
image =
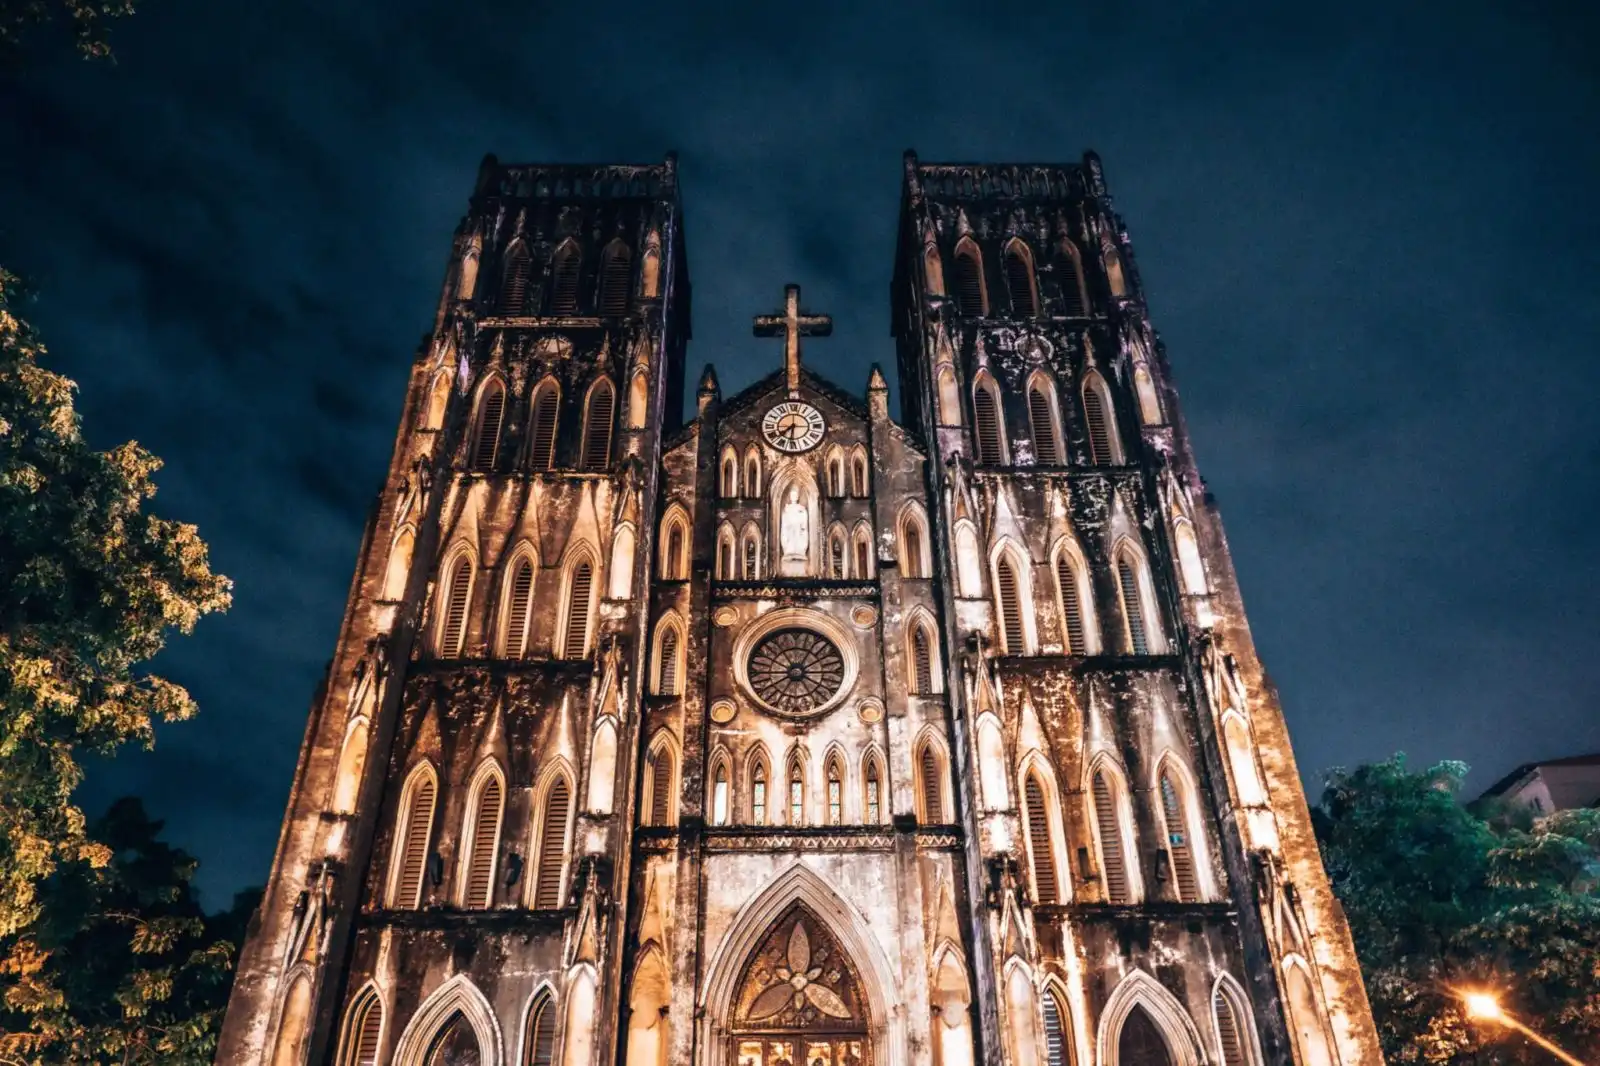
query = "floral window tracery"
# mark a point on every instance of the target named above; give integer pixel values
(800, 1001)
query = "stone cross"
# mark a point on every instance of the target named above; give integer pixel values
(791, 326)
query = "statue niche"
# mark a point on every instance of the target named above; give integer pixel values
(794, 521)
(799, 1001)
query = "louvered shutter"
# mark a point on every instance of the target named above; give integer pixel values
(365, 1032)
(485, 832)
(453, 634)
(661, 789)
(487, 442)
(1094, 413)
(597, 427)
(1044, 428)
(986, 419)
(969, 284)
(553, 846)
(1229, 1033)
(564, 281)
(932, 794)
(1044, 866)
(546, 415)
(921, 661)
(669, 664)
(514, 287)
(1011, 635)
(576, 643)
(1132, 606)
(1019, 280)
(539, 1045)
(1055, 1035)
(517, 610)
(1071, 286)
(418, 829)
(1178, 845)
(616, 280)
(1071, 606)
(1112, 863)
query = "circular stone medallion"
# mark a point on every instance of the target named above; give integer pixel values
(864, 615)
(870, 711)
(725, 616)
(722, 712)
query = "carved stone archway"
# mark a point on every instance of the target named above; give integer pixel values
(799, 1000)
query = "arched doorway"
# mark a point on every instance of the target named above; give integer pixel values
(456, 1044)
(799, 1000)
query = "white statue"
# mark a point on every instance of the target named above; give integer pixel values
(794, 530)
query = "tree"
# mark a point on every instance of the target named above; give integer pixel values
(123, 965)
(87, 20)
(1441, 898)
(90, 585)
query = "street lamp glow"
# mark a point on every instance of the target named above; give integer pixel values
(1483, 1006)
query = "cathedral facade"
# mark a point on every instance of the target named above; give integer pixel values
(790, 733)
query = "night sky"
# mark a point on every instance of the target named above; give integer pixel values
(1368, 236)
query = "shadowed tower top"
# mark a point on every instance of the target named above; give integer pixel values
(791, 325)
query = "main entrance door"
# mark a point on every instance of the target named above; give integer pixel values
(799, 1001)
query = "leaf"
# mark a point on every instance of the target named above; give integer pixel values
(770, 1002)
(827, 1001)
(799, 951)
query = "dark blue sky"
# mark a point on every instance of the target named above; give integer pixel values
(1368, 234)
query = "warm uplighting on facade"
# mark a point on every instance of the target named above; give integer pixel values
(1484, 1007)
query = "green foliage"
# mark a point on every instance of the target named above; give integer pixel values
(85, 20)
(89, 587)
(123, 966)
(1441, 898)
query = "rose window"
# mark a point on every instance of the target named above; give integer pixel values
(795, 671)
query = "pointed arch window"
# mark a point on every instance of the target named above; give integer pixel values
(483, 835)
(539, 1039)
(913, 561)
(1097, 417)
(412, 838)
(519, 597)
(1130, 585)
(930, 785)
(1230, 1030)
(730, 475)
(1180, 849)
(544, 419)
(922, 678)
(1141, 1042)
(1190, 568)
(453, 618)
(668, 672)
(673, 562)
(727, 566)
(752, 473)
(835, 775)
(989, 437)
(552, 844)
(1008, 605)
(970, 297)
(873, 798)
(836, 474)
(949, 398)
(1042, 420)
(863, 543)
(661, 786)
(752, 556)
(797, 793)
(1019, 279)
(1108, 822)
(486, 441)
(858, 474)
(1055, 1030)
(758, 793)
(836, 554)
(598, 419)
(616, 278)
(580, 594)
(363, 1030)
(1045, 882)
(719, 794)
(1069, 588)
(1073, 303)
(514, 284)
(565, 270)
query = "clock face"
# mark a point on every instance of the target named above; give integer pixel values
(793, 426)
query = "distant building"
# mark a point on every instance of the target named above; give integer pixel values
(1552, 785)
